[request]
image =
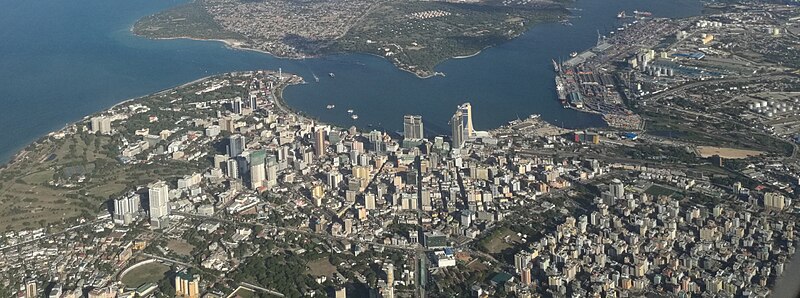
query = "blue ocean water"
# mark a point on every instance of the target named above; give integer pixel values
(63, 60)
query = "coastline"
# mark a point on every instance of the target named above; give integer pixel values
(17, 157)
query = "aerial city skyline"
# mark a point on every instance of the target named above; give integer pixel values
(476, 151)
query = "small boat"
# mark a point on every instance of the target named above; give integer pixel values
(556, 68)
(642, 13)
(354, 116)
(330, 107)
(573, 54)
(350, 111)
(330, 74)
(621, 15)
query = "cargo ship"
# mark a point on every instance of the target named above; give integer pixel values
(562, 94)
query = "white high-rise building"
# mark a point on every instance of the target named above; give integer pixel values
(126, 208)
(158, 196)
(617, 189)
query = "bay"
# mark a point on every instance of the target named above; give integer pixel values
(63, 60)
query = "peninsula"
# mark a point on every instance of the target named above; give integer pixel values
(414, 35)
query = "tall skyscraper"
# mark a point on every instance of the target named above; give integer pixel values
(319, 141)
(272, 173)
(236, 145)
(457, 130)
(388, 292)
(412, 127)
(236, 105)
(187, 285)
(158, 196)
(466, 121)
(232, 168)
(617, 189)
(257, 171)
(461, 125)
(521, 261)
(125, 208)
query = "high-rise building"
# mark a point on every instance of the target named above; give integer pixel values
(232, 168)
(461, 125)
(258, 172)
(101, 124)
(158, 196)
(126, 208)
(525, 276)
(187, 285)
(412, 127)
(236, 105)
(388, 292)
(466, 121)
(617, 189)
(457, 130)
(31, 291)
(236, 145)
(319, 141)
(340, 293)
(521, 261)
(272, 174)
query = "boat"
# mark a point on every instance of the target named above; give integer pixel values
(330, 107)
(621, 15)
(330, 74)
(350, 111)
(573, 54)
(354, 116)
(642, 13)
(562, 94)
(316, 78)
(556, 68)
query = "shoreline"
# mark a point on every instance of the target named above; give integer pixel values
(16, 157)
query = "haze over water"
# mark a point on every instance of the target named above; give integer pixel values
(63, 60)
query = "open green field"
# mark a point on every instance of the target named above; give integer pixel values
(152, 272)
(496, 243)
(321, 267)
(243, 293)
(180, 247)
(658, 190)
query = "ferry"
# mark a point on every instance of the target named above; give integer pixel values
(330, 74)
(573, 54)
(354, 116)
(330, 107)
